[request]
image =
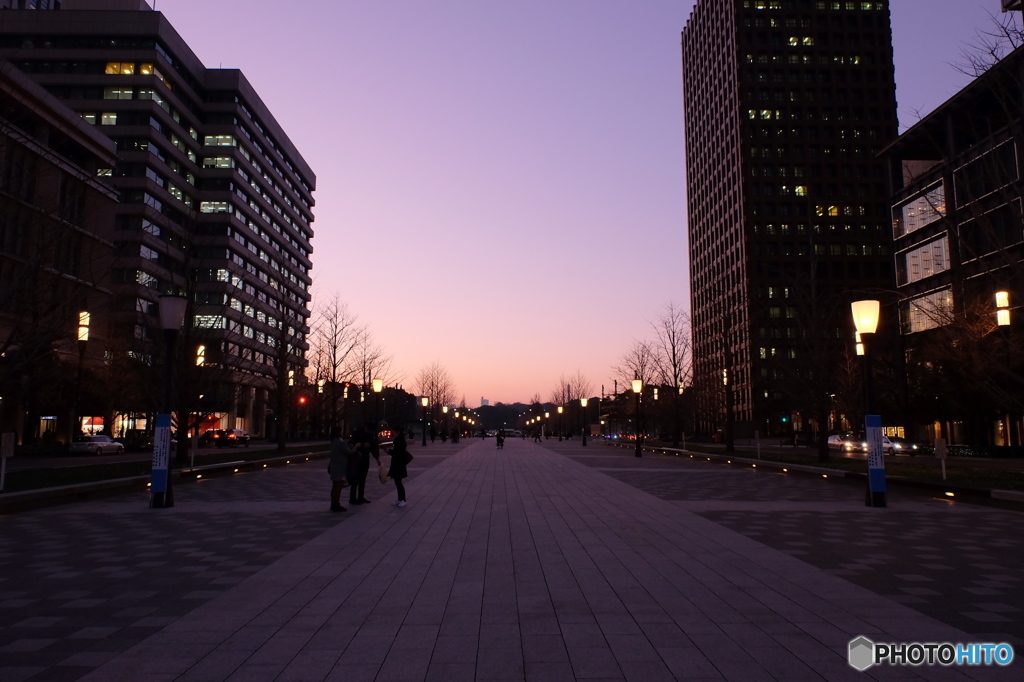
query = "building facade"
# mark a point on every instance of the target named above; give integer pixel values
(215, 203)
(787, 103)
(56, 247)
(958, 231)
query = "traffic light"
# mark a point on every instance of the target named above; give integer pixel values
(302, 400)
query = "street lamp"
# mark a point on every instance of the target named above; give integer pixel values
(83, 338)
(865, 318)
(559, 423)
(424, 401)
(583, 423)
(378, 386)
(638, 386)
(172, 314)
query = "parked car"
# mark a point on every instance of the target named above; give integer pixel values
(95, 445)
(230, 438)
(846, 443)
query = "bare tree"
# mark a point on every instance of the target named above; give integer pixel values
(672, 344)
(436, 383)
(674, 358)
(639, 362)
(333, 340)
(368, 361)
(991, 44)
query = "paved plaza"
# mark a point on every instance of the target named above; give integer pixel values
(539, 561)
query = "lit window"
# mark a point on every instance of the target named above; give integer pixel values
(146, 69)
(219, 141)
(117, 93)
(108, 119)
(121, 68)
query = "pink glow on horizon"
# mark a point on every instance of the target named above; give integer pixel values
(500, 186)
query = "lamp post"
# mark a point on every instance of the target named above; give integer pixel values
(378, 386)
(172, 314)
(638, 387)
(83, 338)
(559, 423)
(865, 318)
(583, 421)
(424, 401)
(444, 411)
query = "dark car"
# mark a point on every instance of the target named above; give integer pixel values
(231, 438)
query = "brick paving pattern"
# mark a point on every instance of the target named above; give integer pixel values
(535, 562)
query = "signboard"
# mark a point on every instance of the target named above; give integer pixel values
(161, 454)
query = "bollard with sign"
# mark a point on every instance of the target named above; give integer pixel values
(160, 493)
(876, 461)
(940, 454)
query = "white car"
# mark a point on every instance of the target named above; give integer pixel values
(95, 445)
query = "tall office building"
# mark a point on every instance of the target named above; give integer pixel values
(216, 202)
(787, 103)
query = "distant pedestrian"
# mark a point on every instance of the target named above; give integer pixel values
(338, 468)
(444, 436)
(398, 470)
(433, 433)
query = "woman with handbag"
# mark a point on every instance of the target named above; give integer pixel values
(400, 459)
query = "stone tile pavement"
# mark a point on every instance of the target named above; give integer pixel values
(536, 562)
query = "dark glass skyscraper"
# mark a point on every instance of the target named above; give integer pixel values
(787, 103)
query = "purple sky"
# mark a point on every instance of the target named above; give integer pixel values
(501, 185)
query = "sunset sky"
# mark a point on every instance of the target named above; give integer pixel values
(501, 185)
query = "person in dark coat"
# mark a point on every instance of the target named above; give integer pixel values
(357, 468)
(398, 470)
(338, 468)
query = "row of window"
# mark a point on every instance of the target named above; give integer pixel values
(811, 59)
(805, 249)
(851, 5)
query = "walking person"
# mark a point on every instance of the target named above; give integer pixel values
(338, 468)
(398, 471)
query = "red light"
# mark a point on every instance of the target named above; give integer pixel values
(302, 400)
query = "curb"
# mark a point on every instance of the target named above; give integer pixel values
(44, 497)
(1011, 499)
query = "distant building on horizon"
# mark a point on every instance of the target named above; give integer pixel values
(215, 200)
(484, 402)
(787, 103)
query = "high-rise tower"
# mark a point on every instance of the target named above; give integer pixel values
(787, 103)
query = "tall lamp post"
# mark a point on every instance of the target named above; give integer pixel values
(444, 411)
(378, 386)
(583, 421)
(424, 401)
(559, 423)
(638, 387)
(865, 318)
(172, 314)
(83, 338)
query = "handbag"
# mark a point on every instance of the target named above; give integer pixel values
(382, 471)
